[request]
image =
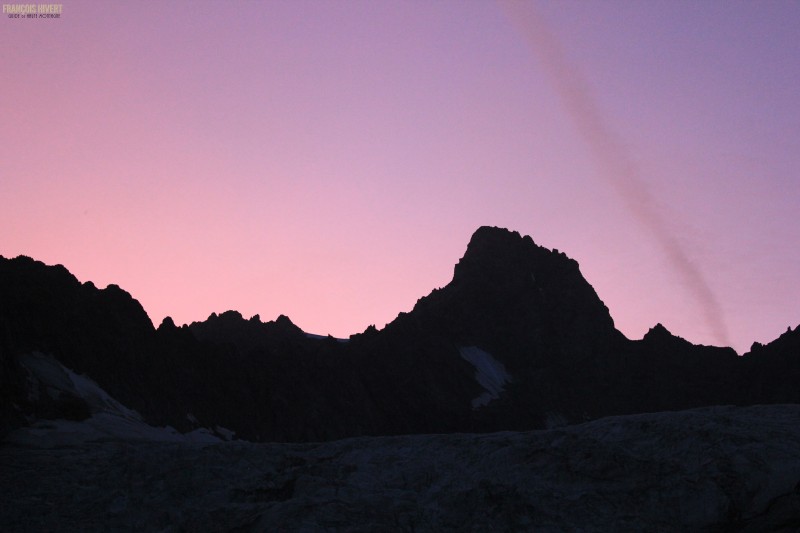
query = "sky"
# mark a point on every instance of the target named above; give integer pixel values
(329, 160)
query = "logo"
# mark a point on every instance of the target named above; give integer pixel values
(33, 11)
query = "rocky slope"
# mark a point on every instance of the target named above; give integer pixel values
(712, 469)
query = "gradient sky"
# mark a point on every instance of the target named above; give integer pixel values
(329, 160)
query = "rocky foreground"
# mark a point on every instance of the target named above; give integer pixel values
(711, 469)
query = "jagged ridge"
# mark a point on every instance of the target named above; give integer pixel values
(511, 304)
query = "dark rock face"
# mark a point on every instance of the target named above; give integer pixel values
(517, 340)
(770, 371)
(45, 309)
(506, 290)
(533, 310)
(249, 335)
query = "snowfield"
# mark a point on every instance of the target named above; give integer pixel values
(489, 372)
(721, 468)
(109, 420)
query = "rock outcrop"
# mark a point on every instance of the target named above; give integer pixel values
(713, 469)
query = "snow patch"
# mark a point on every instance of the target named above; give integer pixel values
(110, 419)
(57, 378)
(489, 372)
(224, 433)
(316, 337)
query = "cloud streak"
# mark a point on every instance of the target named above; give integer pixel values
(614, 164)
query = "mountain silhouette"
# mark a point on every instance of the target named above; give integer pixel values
(517, 340)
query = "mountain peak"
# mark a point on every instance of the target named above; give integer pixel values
(506, 286)
(488, 239)
(658, 331)
(284, 321)
(494, 232)
(499, 255)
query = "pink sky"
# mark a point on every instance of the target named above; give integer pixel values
(330, 160)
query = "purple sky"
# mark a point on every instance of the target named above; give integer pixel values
(329, 160)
